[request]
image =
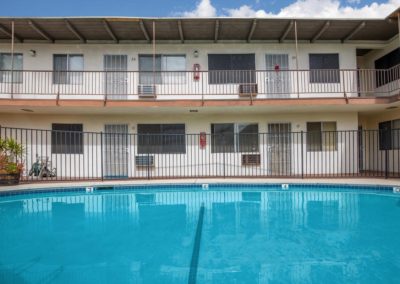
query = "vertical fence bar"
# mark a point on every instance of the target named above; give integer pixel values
(101, 156)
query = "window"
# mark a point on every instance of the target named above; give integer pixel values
(169, 69)
(389, 135)
(385, 62)
(230, 137)
(231, 69)
(321, 136)
(324, 68)
(7, 64)
(67, 138)
(67, 69)
(161, 139)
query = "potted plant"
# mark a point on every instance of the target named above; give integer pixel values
(10, 166)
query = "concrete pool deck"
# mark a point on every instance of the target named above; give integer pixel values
(347, 181)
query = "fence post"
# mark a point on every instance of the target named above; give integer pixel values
(302, 158)
(386, 163)
(148, 165)
(223, 155)
(101, 155)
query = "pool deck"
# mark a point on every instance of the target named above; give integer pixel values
(347, 181)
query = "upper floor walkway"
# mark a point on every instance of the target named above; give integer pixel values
(200, 85)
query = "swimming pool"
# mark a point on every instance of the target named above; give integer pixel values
(226, 233)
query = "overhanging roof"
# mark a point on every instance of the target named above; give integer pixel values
(86, 29)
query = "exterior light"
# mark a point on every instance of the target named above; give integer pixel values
(196, 53)
(32, 52)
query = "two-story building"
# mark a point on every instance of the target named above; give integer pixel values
(195, 97)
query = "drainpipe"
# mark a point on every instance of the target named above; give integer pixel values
(297, 58)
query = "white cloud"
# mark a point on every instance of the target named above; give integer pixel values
(301, 9)
(204, 9)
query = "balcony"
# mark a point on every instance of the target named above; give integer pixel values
(203, 85)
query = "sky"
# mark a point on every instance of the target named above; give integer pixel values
(201, 8)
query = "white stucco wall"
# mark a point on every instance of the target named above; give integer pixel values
(93, 61)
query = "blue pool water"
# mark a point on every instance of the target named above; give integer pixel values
(226, 234)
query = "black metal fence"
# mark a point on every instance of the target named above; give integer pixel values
(75, 155)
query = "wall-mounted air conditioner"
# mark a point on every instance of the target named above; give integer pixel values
(251, 160)
(144, 161)
(147, 91)
(247, 90)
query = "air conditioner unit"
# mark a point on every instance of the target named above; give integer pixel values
(147, 91)
(144, 161)
(251, 160)
(247, 90)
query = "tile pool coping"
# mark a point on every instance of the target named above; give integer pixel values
(376, 184)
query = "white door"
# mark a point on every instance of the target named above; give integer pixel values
(116, 147)
(116, 76)
(279, 149)
(277, 75)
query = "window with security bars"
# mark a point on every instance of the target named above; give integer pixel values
(11, 66)
(67, 69)
(161, 139)
(321, 136)
(67, 138)
(324, 68)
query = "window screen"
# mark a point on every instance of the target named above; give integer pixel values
(230, 137)
(67, 68)
(169, 69)
(7, 64)
(231, 68)
(67, 138)
(161, 139)
(324, 68)
(321, 136)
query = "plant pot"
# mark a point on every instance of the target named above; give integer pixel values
(9, 179)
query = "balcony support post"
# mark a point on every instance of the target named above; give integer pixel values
(297, 59)
(12, 59)
(398, 25)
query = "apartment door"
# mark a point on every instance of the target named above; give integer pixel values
(277, 75)
(116, 76)
(279, 149)
(116, 147)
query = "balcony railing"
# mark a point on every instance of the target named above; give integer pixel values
(262, 84)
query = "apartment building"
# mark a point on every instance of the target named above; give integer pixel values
(185, 97)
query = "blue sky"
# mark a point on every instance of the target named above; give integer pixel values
(167, 8)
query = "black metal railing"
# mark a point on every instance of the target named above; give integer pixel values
(72, 155)
(200, 85)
